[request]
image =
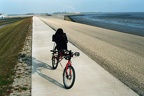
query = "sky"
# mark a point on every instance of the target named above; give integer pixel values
(51, 6)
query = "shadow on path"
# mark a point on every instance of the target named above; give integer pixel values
(37, 66)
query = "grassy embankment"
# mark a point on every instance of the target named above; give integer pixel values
(12, 39)
(68, 18)
(10, 20)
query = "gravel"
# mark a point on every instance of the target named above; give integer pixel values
(22, 79)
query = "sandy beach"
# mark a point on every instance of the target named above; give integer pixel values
(119, 53)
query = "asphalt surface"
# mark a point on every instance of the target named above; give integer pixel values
(91, 79)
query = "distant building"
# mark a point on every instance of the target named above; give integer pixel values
(1, 16)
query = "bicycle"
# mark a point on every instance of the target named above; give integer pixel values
(68, 72)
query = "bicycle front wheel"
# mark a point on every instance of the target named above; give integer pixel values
(68, 77)
(54, 62)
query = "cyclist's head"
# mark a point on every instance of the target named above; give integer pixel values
(59, 31)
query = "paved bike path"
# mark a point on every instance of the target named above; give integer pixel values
(91, 79)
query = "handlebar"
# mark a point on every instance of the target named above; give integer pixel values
(67, 53)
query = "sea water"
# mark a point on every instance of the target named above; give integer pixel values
(128, 22)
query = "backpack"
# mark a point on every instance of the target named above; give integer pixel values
(61, 41)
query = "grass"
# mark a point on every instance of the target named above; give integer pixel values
(68, 18)
(24, 88)
(10, 20)
(12, 38)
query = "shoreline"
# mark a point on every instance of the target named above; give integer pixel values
(115, 27)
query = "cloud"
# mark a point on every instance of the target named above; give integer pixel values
(70, 8)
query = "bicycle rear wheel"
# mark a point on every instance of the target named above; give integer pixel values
(54, 62)
(68, 77)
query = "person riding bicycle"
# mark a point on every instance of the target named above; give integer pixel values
(60, 39)
(61, 53)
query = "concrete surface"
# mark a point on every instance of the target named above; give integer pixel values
(91, 79)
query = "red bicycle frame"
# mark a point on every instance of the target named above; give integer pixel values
(68, 64)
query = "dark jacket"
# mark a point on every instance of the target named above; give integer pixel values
(60, 39)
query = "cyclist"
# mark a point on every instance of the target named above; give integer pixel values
(60, 39)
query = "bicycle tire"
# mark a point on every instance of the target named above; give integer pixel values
(68, 77)
(54, 62)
